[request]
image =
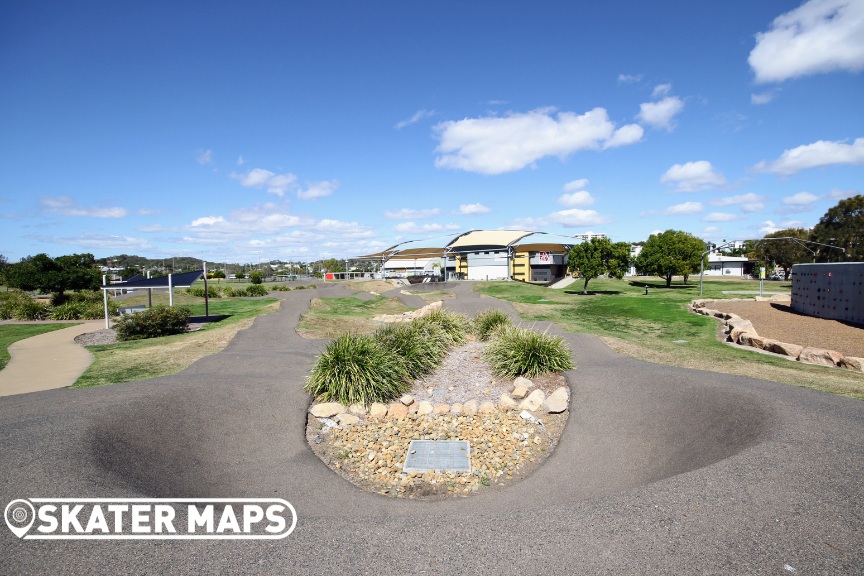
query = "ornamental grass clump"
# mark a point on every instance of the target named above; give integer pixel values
(421, 347)
(517, 351)
(455, 326)
(357, 369)
(488, 321)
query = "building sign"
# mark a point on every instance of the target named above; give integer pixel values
(544, 258)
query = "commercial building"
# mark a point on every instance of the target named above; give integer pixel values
(480, 255)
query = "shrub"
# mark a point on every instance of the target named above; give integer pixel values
(31, 310)
(421, 347)
(11, 301)
(87, 296)
(357, 369)
(153, 322)
(516, 351)
(281, 288)
(454, 325)
(68, 311)
(488, 321)
(212, 291)
(256, 290)
(256, 278)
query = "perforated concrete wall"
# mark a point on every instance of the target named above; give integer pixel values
(834, 291)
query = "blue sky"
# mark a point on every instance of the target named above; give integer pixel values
(240, 131)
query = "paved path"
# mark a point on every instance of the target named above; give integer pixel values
(47, 361)
(660, 470)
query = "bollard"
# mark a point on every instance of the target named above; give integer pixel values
(646, 290)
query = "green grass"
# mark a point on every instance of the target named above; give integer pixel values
(648, 327)
(334, 317)
(154, 357)
(10, 333)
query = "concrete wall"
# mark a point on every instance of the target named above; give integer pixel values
(834, 291)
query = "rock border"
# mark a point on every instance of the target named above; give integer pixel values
(509, 438)
(741, 331)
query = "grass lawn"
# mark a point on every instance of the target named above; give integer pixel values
(333, 317)
(10, 333)
(154, 357)
(653, 327)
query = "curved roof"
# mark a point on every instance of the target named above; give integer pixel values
(541, 241)
(488, 238)
(427, 248)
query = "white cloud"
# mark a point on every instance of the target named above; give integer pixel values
(801, 199)
(318, 190)
(205, 157)
(476, 208)
(576, 217)
(344, 229)
(277, 184)
(684, 208)
(768, 227)
(66, 206)
(240, 161)
(749, 202)
(710, 231)
(660, 114)
(414, 228)
(98, 241)
(629, 78)
(576, 185)
(419, 115)
(818, 36)
(761, 98)
(661, 90)
(815, 155)
(207, 221)
(495, 145)
(693, 176)
(409, 213)
(151, 228)
(837, 194)
(580, 198)
(721, 217)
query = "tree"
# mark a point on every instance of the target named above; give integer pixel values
(129, 272)
(333, 265)
(671, 253)
(56, 275)
(785, 253)
(218, 274)
(598, 257)
(256, 277)
(842, 225)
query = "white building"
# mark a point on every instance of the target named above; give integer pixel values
(722, 265)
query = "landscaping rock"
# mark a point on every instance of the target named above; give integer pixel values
(486, 407)
(397, 410)
(813, 355)
(456, 409)
(412, 409)
(441, 409)
(357, 410)
(761, 342)
(784, 348)
(533, 401)
(506, 402)
(326, 409)
(519, 391)
(470, 408)
(736, 333)
(739, 323)
(425, 407)
(558, 401)
(347, 419)
(747, 338)
(522, 381)
(406, 399)
(852, 363)
(377, 410)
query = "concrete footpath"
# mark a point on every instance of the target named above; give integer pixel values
(48, 361)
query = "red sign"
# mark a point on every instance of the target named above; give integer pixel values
(544, 257)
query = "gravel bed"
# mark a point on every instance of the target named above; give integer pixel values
(778, 321)
(504, 446)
